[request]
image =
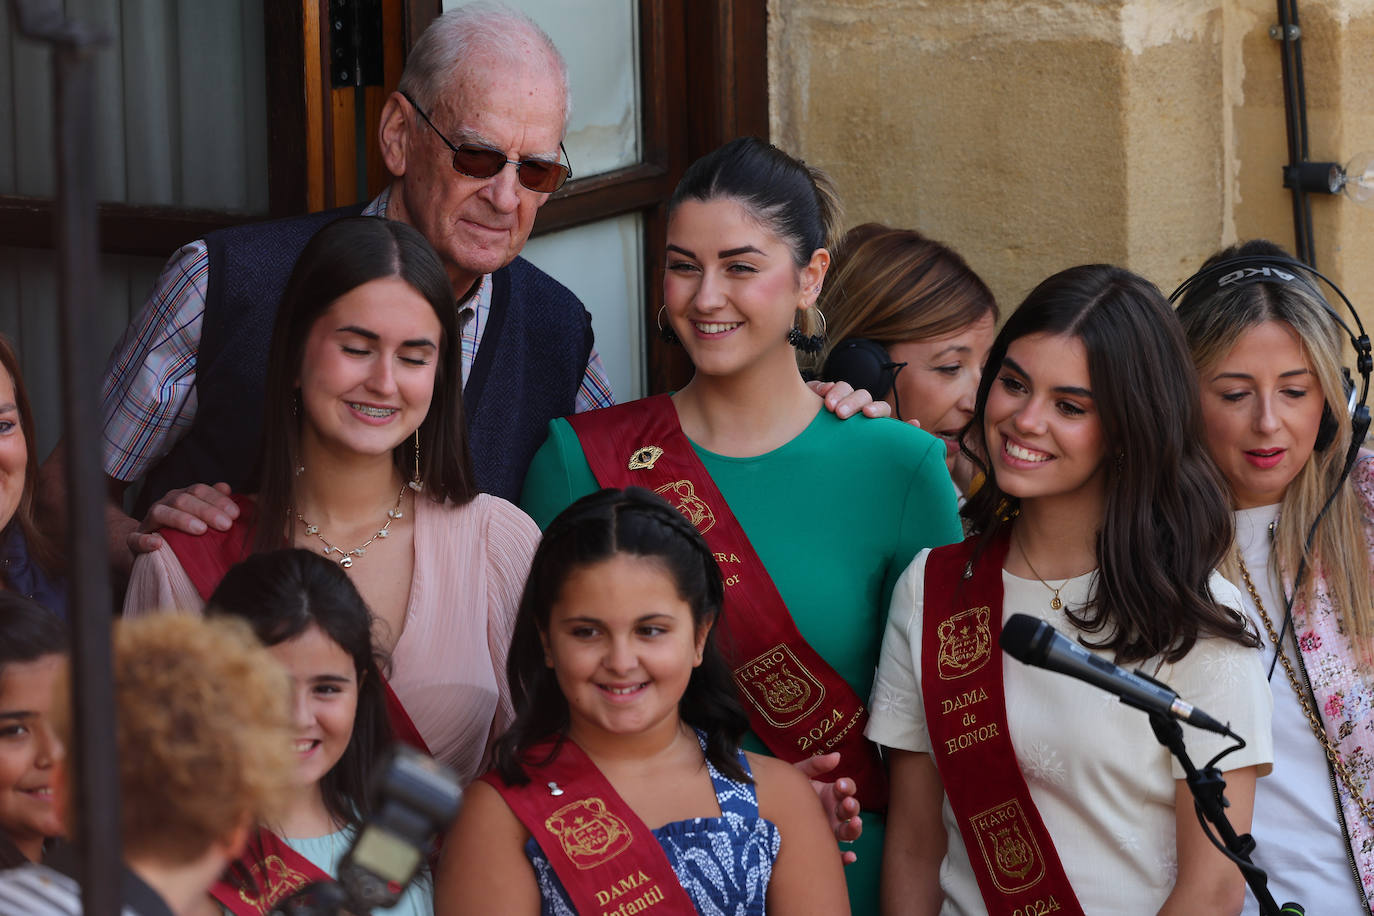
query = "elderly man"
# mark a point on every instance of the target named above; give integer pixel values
(472, 138)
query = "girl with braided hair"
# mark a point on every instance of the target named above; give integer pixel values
(621, 783)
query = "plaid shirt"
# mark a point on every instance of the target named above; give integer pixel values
(148, 398)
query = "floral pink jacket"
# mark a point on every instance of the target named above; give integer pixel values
(1344, 690)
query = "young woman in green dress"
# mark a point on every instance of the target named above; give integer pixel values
(812, 519)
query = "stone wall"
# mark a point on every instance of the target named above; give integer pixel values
(1035, 135)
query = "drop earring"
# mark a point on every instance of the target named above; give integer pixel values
(416, 483)
(808, 343)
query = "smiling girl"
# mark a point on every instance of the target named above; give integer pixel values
(1268, 352)
(313, 621)
(33, 651)
(365, 462)
(621, 786)
(1101, 515)
(813, 519)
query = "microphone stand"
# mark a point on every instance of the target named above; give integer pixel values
(1208, 790)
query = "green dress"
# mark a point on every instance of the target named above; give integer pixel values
(836, 515)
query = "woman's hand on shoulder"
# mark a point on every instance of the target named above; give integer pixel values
(838, 799)
(843, 401)
(807, 875)
(483, 868)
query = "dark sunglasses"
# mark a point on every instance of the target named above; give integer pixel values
(477, 161)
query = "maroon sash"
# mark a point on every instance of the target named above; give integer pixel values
(608, 861)
(207, 557)
(265, 874)
(797, 703)
(1012, 854)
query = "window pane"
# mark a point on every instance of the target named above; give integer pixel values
(600, 41)
(181, 114)
(603, 263)
(28, 317)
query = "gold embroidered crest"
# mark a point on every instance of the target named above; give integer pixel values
(1008, 846)
(684, 498)
(589, 834)
(275, 879)
(780, 687)
(965, 643)
(644, 457)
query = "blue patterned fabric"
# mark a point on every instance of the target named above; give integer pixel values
(723, 863)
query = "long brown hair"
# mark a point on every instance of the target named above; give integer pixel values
(342, 256)
(895, 285)
(283, 593)
(1166, 524)
(41, 548)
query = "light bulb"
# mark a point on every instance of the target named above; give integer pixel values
(1356, 180)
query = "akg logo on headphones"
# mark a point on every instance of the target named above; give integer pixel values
(1246, 273)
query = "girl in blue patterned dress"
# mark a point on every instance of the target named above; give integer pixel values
(613, 652)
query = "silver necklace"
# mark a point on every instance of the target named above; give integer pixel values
(346, 556)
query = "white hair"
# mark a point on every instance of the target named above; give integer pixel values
(481, 28)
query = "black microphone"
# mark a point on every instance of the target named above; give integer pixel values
(1035, 642)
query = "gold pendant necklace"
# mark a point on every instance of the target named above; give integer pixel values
(346, 556)
(1055, 603)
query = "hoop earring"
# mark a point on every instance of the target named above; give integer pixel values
(416, 483)
(808, 343)
(666, 332)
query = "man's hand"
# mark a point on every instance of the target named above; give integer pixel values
(841, 807)
(843, 401)
(194, 510)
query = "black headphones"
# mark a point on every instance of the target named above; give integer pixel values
(865, 364)
(1247, 270)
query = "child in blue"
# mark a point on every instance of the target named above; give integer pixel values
(613, 657)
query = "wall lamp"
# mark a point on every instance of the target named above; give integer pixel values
(1354, 180)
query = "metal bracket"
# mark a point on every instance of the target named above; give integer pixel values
(1285, 33)
(355, 43)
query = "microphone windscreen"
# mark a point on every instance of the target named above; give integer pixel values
(1018, 633)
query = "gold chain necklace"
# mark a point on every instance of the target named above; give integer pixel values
(1312, 721)
(1055, 603)
(346, 556)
